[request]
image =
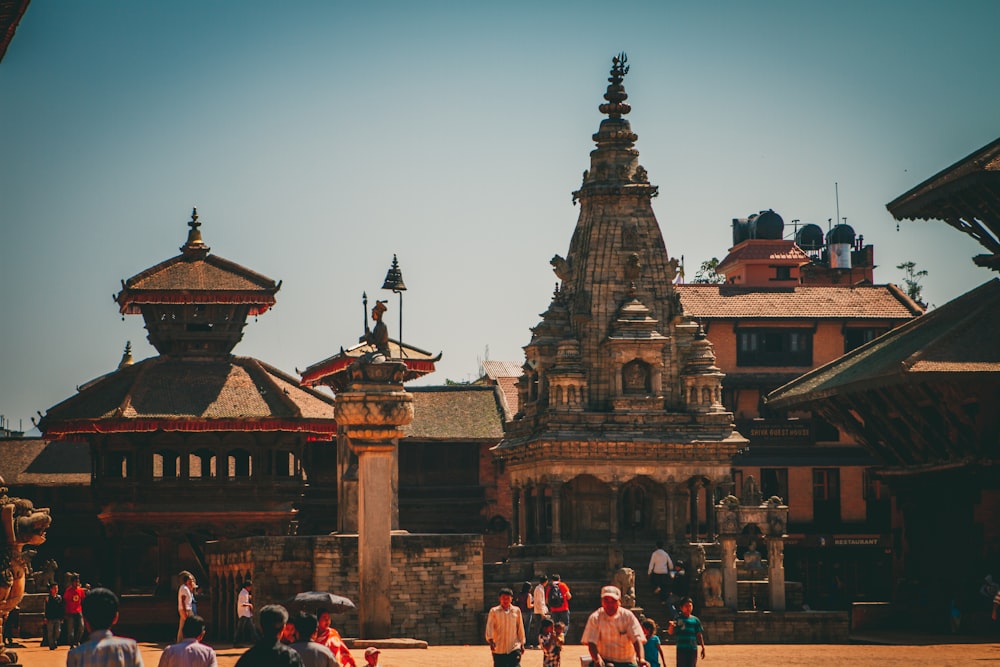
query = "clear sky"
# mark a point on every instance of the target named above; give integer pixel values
(319, 138)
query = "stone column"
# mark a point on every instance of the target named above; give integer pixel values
(776, 572)
(729, 592)
(556, 487)
(518, 514)
(613, 508)
(371, 411)
(710, 511)
(671, 536)
(695, 486)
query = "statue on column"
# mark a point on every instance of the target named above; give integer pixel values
(24, 526)
(377, 336)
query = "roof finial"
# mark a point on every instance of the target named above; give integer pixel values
(126, 356)
(195, 245)
(616, 95)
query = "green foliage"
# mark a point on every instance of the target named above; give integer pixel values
(911, 281)
(707, 275)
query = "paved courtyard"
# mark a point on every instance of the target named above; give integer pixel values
(790, 655)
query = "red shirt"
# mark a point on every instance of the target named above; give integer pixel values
(565, 591)
(73, 598)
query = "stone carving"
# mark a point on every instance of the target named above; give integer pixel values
(640, 176)
(751, 491)
(560, 266)
(711, 586)
(633, 266)
(752, 560)
(624, 579)
(672, 269)
(24, 526)
(635, 378)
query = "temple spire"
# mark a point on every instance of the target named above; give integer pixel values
(194, 247)
(616, 106)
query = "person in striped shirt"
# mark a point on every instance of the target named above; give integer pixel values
(505, 631)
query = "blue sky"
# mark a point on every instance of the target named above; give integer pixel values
(319, 138)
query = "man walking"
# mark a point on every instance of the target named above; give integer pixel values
(185, 601)
(245, 632)
(190, 652)
(557, 597)
(55, 611)
(541, 611)
(100, 612)
(660, 569)
(505, 631)
(613, 634)
(73, 599)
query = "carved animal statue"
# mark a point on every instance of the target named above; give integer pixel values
(624, 579)
(24, 525)
(711, 586)
(46, 576)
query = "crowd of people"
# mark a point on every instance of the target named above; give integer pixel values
(538, 618)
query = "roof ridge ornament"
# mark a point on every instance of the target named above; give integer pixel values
(195, 246)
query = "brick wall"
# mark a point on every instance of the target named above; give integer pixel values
(437, 580)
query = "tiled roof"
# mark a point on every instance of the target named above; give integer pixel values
(456, 412)
(813, 302)
(503, 369)
(756, 249)
(958, 338)
(235, 388)
(34, 461)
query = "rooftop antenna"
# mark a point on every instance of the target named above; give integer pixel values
(836, 194)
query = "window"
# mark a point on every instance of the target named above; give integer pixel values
(856, 337)
(118, 465)
(239, 463)
(774, 482)
(782, 273)
(826, 496)
(877, 505)
(166, 465)
(774, 347)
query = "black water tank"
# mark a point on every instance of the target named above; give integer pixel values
(809, 237)
(768, 225)
(842, 233)
(741, 231)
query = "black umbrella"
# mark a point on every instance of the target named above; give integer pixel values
(313, 600)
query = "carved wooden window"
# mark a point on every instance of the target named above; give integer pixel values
(166, 465)
(239, 463)
(201, 464)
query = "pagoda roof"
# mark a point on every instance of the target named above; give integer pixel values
(11, 12)
(418, 362)
(765, 250)
(163, 393)
(197, 277)
(38, 462)
(957, 339)
(456, 412)
(966, 195)
(877, 302)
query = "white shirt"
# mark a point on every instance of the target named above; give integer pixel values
(660, 562)
(539, 598)
(243, 607)
(184, 600)
(505, 629)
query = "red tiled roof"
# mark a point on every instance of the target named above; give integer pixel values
(767, 250)
(456, 412)
(502, 369)
(34, 461)
(813, 302)
(504, 374)
(236, 393)
(208, 279)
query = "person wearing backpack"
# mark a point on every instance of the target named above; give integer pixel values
(557, 597)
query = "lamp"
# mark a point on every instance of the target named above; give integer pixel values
(394, 282)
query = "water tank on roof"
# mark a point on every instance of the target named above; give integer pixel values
(768, 225)
(741, 231)
(809, 237)
(841, 242)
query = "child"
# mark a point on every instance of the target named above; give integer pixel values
(55, 610)
(551, 640)
(371, 656)
(652, 650)
(690, 635)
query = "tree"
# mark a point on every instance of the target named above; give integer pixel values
(911, 281)
(706, 273)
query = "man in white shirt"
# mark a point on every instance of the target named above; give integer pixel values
(245, 632)
(185, 601)
(660, 569)
(613, 634)
(190, 652)
(540, 611)
(505, 631)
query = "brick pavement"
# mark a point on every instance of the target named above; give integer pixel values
(788, 655)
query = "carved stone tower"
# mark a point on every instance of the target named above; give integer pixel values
(621, 435)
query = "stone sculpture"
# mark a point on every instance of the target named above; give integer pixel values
(711, 586)
(624, 579)
(24, 526)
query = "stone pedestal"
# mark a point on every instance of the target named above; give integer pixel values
(776, 572)
(370, 412)
(729, 589)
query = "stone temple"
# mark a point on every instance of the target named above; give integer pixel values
(621, 437)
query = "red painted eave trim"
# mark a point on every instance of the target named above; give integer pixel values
(416, 367)
(328, 429)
